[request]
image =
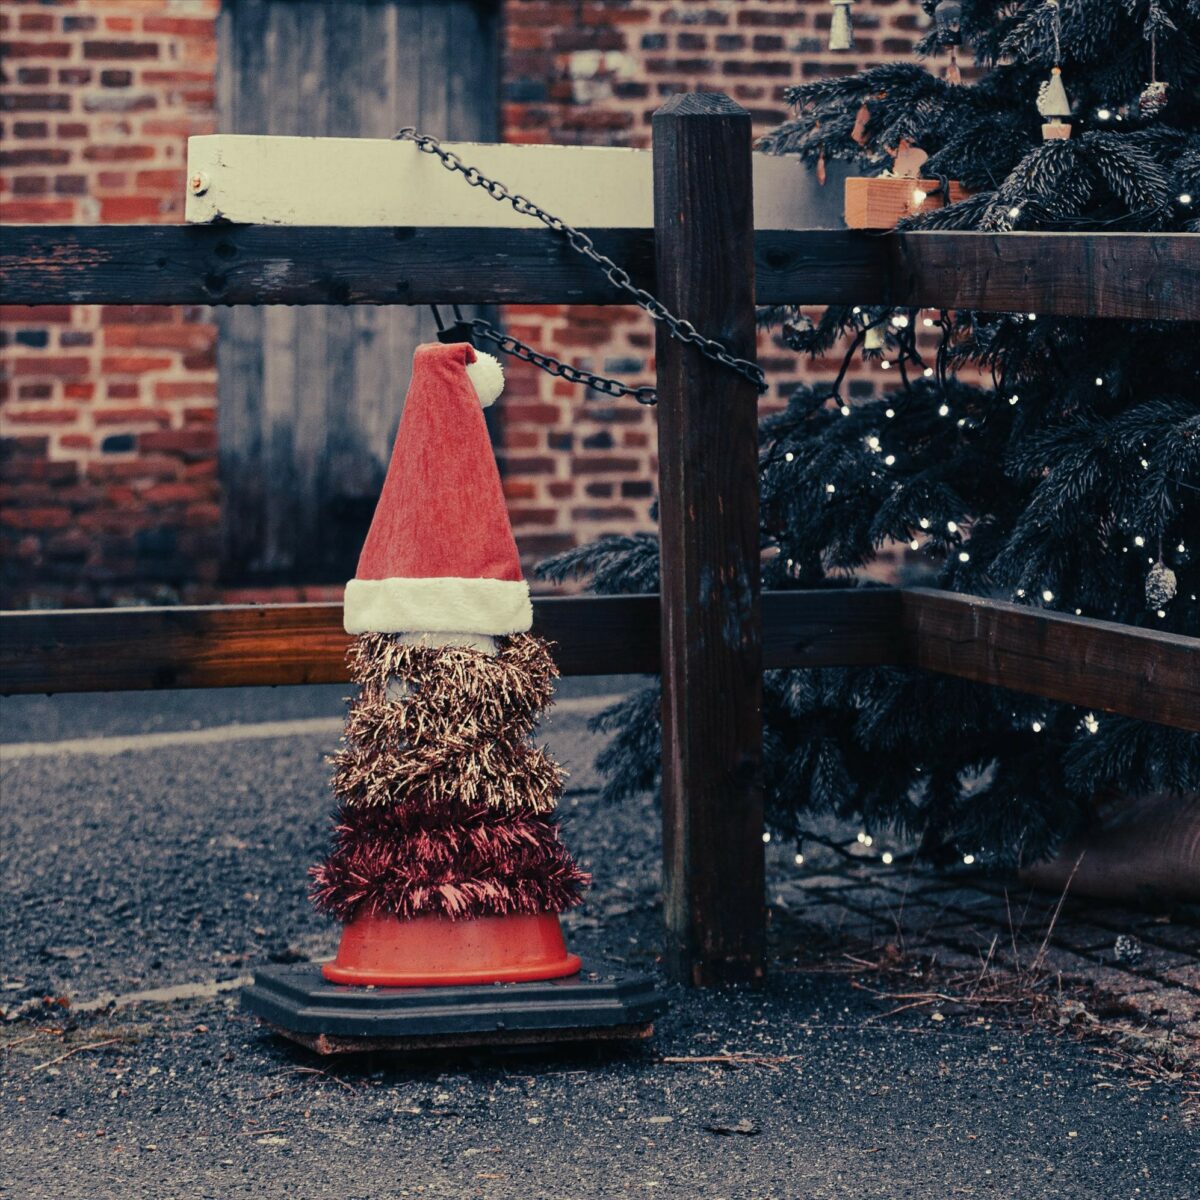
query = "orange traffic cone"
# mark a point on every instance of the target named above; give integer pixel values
(434, 951)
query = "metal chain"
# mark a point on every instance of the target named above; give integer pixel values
(678, 328)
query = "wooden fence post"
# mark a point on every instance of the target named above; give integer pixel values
(708, 515)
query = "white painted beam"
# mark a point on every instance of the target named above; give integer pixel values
(255, 179)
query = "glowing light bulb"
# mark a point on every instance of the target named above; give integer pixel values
(1036, 727)
(900, 322)
(890, 460)
(1021, 592)
(968, 859)
(1090, 723)
(845, 410)
(868, 840)
(952, 526)
(889, 413)
(1139, 540)
(766, 838)
(963, 556)
(830, 488)
(1013, 398)
(1181, 548)
(1014, 212)
(1103, 113)
(862, 836)
(928, 372)
(789, 457)
(856, 310)
(944, 410)
(914, 544)
(1099, 380)
(1162, 612)
(918, 197)
(1047, 595)
(885, 365)
(799, 860)
(1185, 197)
(1032, 316)
(928, 322)
(886, 857)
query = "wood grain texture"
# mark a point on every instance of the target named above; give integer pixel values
(96, 650)
(1096, 664)
(310, 400)
(712, 797)
(118, 649)
(1134, 276)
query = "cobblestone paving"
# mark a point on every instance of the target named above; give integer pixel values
(1139, 970)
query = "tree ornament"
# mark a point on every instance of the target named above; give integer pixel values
(1154, 95)
(947, 16)
(1052, 100)
(1161, 585)
(841, 27)
(1053, 104)
(874, 338)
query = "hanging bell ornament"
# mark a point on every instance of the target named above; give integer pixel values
(1153, 98)
(1161, 585)
(874, 338)
(947, 16)
(841, 28)
(1053, 104)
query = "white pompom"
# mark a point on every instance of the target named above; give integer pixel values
(487, 375)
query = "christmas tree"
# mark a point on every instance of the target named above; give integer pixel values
(1049, 461)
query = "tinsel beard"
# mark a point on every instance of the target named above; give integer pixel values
(442, 797)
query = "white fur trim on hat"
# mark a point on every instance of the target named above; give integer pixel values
(487, 375)
(446, 605)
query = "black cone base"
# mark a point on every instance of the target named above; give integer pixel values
(298, 1002)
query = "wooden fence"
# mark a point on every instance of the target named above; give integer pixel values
(711, 633)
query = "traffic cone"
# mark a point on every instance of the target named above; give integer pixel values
(447, 869)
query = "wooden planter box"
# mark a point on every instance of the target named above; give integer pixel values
(873, 203)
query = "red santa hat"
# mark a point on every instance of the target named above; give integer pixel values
(440, 555)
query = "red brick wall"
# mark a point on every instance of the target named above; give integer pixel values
(107, 465)
(108, 473)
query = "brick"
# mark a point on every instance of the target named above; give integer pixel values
(34, 156)
(49, 314)
(42, 416)
(133, 364)
(62, 367)
(180, 26)
(611, 512)
(135, 314)
(117, 209)
(116, 79)
(605, 465)
(131, 415)
(37, 518)
(120, 152)
(34, 102)
(33, 76)
(185, 441)
(521, 517)
(191, 389)
(34, 391)
(15, 49)
(120, 49)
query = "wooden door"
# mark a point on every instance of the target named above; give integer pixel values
(309, 398)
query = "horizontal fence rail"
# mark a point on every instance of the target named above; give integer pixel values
(1125, 275)
(1095, 664)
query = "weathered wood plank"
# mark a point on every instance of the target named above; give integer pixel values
(91, 650)
(1138, 276)
(1135, 276)
(118, 649)
(712, 794)
(1096, 664)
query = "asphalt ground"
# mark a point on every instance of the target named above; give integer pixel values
(131, 862)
